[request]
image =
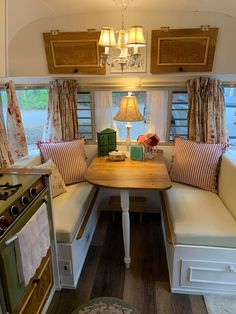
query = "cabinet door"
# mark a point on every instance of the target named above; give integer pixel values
(73, 52)
(2, 39)
(38, 289)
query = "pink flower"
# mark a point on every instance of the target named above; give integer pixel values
(150, 139)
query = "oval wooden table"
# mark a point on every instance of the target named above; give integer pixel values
(126, 175)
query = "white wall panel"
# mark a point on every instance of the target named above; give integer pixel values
(27, 55)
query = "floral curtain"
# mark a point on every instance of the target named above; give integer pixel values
(5, 154)
(206, 118)
(15, 129)
(156, 113)
(68, 109)
(52, 129)
(62, 123)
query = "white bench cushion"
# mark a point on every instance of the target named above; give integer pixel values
(70, 208)
(199, 217)
(227, 181)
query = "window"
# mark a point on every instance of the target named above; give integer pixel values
(3, 95)
(230, 101)
(137, 127)
(84, 111)
(179, 115)
(33, 104)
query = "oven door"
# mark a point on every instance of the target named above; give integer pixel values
(13, 290)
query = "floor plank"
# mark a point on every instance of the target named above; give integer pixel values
(145, 285)
(109, 280)
(170, 303)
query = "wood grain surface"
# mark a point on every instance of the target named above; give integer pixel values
(74, 52)
(129, 174)
(145, 285)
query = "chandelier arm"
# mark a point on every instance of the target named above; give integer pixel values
(123, 9)
(125, 58)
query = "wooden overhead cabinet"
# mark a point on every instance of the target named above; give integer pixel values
(73, 53)
(183, 50)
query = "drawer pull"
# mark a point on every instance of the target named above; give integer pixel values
(36, 281)
(87, 237)
(231, 269)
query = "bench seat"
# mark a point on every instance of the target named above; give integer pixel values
(200, 234)
(70, 208)
(199, 217)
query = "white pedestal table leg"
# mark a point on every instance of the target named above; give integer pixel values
(124, 197)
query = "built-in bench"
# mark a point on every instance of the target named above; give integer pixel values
(200, 234)
(75, 215)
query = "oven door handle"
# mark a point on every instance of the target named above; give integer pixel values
(14, 237)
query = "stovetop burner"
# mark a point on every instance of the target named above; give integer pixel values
(7, 190)
(17, 192)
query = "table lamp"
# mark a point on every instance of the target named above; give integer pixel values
(128, 112)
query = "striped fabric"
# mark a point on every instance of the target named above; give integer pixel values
(196, 164)
(69, 158)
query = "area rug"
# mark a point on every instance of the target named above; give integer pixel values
(220, 304)
(106, 305)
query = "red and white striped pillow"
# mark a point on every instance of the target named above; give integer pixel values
(69, 158)
(196, 164)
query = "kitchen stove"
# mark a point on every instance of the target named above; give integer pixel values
(6, 190)
(23, 192)
(16, 194)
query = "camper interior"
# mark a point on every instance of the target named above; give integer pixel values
(117, 156)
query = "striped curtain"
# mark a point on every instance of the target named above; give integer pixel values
(14, 125)
(5, 154)
(62, 120)
(206, 117)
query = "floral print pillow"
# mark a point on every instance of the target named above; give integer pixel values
(57, 183)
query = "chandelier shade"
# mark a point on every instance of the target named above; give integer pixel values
(136, 37)
(122, 39)
(107, 37)
(128, 42)
(128, 110)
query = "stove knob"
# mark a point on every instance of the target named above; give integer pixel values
(14, 211)
(32, 192)
(24, 200)
(4, 223)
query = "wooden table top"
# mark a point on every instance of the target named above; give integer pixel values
(129, 174)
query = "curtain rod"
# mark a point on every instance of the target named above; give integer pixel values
(117, 85)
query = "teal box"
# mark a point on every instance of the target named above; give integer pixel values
(136, 152)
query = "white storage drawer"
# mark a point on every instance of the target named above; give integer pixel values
(71, 256)
(213, 275)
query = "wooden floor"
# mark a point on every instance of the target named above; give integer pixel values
(144, 285)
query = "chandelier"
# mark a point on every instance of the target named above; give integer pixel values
(127, 38)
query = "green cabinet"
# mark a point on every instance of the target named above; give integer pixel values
(106, 141)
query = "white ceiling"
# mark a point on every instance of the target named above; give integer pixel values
(21, 13)
(64, 7)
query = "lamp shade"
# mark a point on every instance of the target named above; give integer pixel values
(107, 37)
(128, 110)
(136, 37)
(122, 39)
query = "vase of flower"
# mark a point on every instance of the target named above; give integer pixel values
(149, 142)
(149, 152)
